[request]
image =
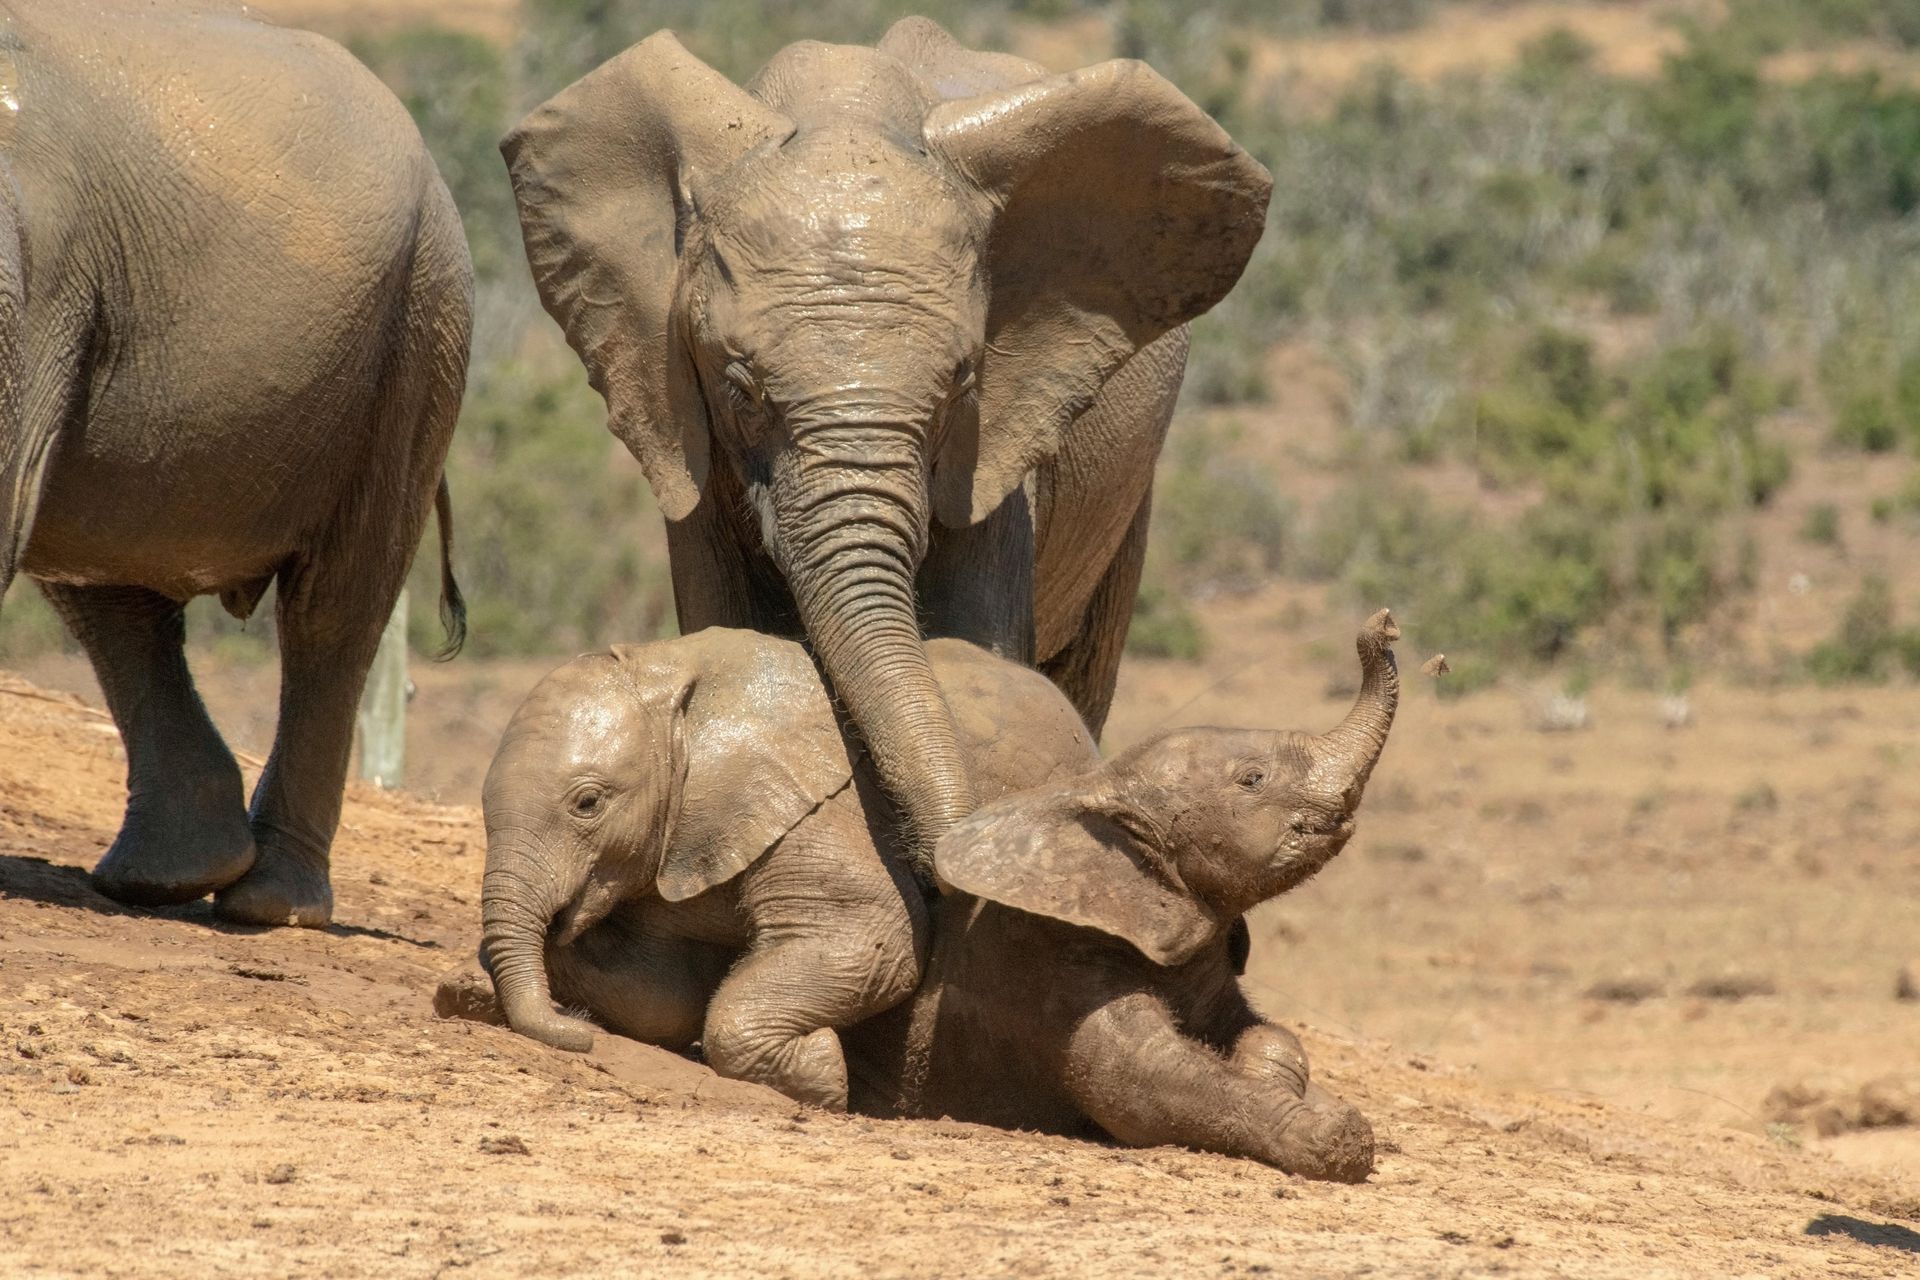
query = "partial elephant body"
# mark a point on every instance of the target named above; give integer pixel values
(247, 305)
(1095, 1040)
(896, 334)
(682, 842)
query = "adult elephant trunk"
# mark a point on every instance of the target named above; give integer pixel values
(1353, 747)
(850, 527)
(518, 906)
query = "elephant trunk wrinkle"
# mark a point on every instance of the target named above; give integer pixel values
(850, 544)
(523, 891)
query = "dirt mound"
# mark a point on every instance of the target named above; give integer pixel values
(194, 1099)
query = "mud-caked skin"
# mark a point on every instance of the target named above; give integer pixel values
(682, 842)
(1082, 970)
(233, 359)
(896, 333)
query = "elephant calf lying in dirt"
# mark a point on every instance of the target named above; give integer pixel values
(1083, 970)
(679, 841)
(1083, 966)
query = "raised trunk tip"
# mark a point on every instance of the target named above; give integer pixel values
(1354, 745)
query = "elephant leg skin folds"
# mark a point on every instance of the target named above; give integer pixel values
(185, 832)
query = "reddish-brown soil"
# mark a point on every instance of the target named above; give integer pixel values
(190, 1099)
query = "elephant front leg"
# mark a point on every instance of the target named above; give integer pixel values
(185, 832)
(1254, 1047)
(773, 1020)
(1136, 1076)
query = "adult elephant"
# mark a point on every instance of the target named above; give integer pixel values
(242, 349)
(885, 285)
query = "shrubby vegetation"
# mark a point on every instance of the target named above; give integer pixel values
(1467, 252)
(1459, 246)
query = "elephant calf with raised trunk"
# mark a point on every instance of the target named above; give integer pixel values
(896, 333)
(234, 309)
(681, 841)
(1083, 967)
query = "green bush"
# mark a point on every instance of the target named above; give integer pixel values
(1822, 525)
(1867, 646)
(1164, 624)
(558, 542)
(1218, 522)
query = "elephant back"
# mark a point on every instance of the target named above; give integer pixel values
(1016, 729)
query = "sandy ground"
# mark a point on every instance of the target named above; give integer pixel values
(1616, 999)
(193, 1099)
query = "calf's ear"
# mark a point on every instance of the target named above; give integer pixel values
(1077, 852)
(763, 752)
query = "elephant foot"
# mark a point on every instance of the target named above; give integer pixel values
(812, 1070)
(166, 855)
(1331, 1141)
(284, 888)
(466, 991)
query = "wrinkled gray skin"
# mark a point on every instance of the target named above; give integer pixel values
(246, 310)
(1082, 968)
(843, 314)
(680, 843)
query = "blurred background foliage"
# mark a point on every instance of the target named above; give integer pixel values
(1626, 309)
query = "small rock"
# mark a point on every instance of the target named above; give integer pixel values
(279, 1175)
(506, 1144)
(672, 1238)
(1625, 990)
(1906, 984)
(1890, 1102)
(1562, 713)
(1732, 986)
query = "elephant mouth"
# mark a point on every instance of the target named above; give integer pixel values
(569, 925)
(1312, 846)
(1340, 825)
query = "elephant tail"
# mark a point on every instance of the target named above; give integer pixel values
(453, 605)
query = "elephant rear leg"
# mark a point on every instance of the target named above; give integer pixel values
(328, 633)
(336, 596)
(185, 832)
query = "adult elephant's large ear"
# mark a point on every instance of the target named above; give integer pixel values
(1123, 211)
(764, 751)
(600, 173)
(1076, 852)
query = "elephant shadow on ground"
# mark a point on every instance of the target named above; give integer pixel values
(1884, 1235)
(55, 884)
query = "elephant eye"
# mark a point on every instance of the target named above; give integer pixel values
(1252, 778)
(587, 803)
(741, 382)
